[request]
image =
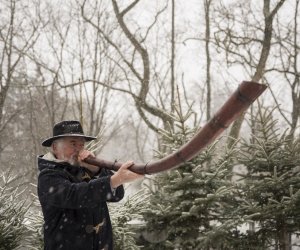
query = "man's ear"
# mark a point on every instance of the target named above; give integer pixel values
(54, 147)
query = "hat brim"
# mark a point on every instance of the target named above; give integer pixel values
(48, 142)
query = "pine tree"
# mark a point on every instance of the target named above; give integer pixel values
(271, 190)
(12, 215)
(187, 202)
(34, 238)
(123, 217)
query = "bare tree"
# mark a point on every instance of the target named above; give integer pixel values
(240, 47)
(139, 65)
(295, 83)
(173, 58)
(70, 72)
(207, 4)
(18, 33)
(287, 54)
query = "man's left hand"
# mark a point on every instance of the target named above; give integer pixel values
(83, 154)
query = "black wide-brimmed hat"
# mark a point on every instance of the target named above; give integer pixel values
(67, 128)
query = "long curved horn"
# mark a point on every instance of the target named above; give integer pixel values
(238, 102)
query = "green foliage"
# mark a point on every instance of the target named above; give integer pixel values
(188, 201)
(126, 221)
(267, 195)
(197, 206)
(12, 215)
(34, 224)
(272, 183)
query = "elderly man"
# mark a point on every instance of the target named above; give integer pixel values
(73, 194)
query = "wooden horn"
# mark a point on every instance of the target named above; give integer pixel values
(238, 102)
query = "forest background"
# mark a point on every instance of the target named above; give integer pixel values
(143, 76)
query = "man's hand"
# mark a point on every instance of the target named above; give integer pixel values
(124, 175)
(83, 154)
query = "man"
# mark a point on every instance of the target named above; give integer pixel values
(73, 194)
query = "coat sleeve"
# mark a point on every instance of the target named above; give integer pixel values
(118, 193)
(55, 189)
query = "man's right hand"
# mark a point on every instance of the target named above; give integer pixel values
(124, 175)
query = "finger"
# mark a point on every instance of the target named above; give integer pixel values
(128, 164)
(81, 155)
(84, 154)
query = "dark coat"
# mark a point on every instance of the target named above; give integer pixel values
(73, 205)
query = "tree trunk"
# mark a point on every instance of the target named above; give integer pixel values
(207, 4)
(269, 17)
(283, 236)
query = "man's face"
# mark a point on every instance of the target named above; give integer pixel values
(68, 148)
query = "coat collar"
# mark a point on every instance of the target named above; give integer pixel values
(49, 161)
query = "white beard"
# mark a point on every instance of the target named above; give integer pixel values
(73, 160)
